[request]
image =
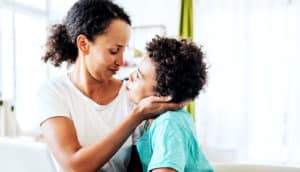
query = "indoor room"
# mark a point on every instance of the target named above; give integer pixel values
(149, 85)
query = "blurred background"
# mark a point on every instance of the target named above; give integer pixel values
(249, 111)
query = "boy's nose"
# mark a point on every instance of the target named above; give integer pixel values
(131, 76)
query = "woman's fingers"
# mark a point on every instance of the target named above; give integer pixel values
(174, 106)
(164, 104)
(160, 98)
(154, 105)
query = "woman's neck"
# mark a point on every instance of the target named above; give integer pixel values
(102, 91)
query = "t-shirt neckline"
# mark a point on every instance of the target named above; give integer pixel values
(91, 101)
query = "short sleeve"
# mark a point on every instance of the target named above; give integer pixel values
(169, 146)
(51, 102)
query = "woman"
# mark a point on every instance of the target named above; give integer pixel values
(85, 116)
(169, 142)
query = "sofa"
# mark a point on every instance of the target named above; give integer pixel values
(228, 167)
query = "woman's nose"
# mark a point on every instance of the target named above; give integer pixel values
(120, 60)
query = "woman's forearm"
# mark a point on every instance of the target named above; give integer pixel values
(93, 157)
(61, 137)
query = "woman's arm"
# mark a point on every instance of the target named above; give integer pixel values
(60, 135)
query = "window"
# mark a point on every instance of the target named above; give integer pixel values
(22, 35)
(30, 71)
(6, 54)
(249, 111)
(40, 4)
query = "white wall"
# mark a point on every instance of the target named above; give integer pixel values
(58, 9)
(153, 12)
(142, 12)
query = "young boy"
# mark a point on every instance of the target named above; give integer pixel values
(171, 68)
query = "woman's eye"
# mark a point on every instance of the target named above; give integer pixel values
(114, 52)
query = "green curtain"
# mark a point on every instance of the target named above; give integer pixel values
(186, 19)
(186, 31)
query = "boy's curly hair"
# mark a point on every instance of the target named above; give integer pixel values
(180, 70)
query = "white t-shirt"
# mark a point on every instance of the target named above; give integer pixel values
(59, 97)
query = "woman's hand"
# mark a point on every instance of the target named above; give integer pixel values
(150, 107)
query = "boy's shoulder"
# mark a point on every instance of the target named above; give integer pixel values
(178, 118)
(173, 115)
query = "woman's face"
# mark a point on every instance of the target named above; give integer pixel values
(142, 82)
(105, 53)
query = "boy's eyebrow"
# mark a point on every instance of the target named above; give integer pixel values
(140, 72)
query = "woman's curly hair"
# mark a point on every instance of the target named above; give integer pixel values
(87, 17)
(180, 69)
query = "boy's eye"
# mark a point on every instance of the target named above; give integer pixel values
(137, 75)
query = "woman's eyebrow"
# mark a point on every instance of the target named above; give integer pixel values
(120, 45)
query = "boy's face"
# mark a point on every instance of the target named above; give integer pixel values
(142, 82)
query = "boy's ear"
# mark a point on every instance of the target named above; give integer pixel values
(159, 95)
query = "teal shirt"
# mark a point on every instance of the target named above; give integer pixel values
(171, 142)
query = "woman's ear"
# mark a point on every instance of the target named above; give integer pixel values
(83, 44)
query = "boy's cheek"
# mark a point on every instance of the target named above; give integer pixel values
(133, 95)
